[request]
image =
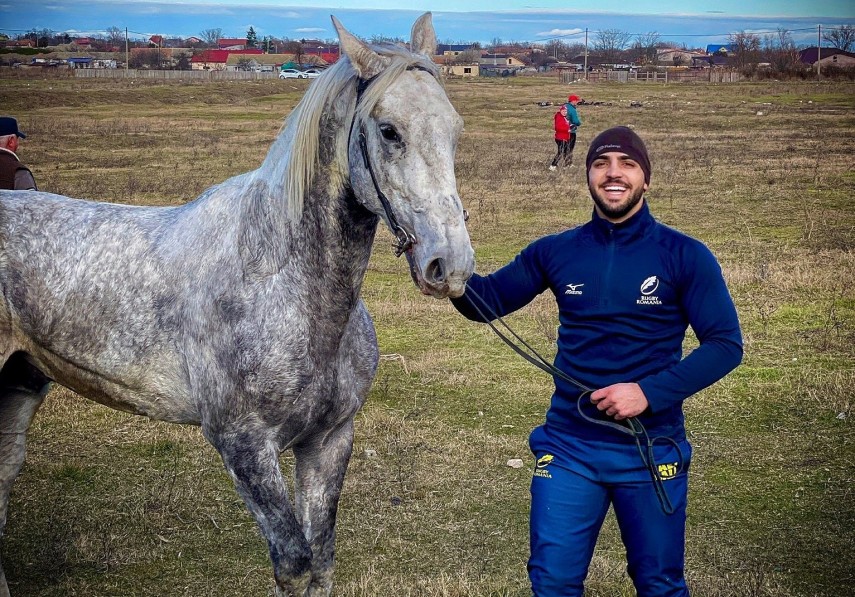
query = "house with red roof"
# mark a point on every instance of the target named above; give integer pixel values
(231, 43)
(217, 59)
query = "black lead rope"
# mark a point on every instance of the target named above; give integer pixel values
(634, 427)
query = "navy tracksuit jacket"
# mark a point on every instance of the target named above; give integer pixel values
(626, 294)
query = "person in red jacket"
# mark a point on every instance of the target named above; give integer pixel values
(562, 139)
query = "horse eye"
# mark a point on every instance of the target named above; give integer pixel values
(389, 133)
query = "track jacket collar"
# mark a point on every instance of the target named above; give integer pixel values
(625, 232)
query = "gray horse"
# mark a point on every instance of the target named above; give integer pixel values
(240, 311)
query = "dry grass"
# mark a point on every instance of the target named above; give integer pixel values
(110, 504)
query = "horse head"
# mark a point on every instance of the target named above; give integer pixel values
(401, 150)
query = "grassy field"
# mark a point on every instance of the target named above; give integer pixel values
(109, 504)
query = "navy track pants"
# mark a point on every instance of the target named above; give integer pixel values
(574, 483)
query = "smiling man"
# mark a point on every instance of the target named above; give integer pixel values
(627, 288)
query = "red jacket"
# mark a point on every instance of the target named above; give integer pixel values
(562, 127)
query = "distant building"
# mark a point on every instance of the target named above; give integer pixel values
(448, 66)
(231, 43)
(216, 59)
(827, 57)
(19, 43)
(678, 57)
(269, 62)
(723, 49)
(503, 60)
(452, 49)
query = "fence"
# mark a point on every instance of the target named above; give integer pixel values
(176, 75)
(675, 76)
(621, 76)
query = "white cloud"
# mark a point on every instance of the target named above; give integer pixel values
(560, 32)
(310, 30)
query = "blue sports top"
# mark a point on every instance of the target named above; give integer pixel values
(626, 294)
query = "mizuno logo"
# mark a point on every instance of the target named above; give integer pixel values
(574, 289)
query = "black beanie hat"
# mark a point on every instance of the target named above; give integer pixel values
(624, 140)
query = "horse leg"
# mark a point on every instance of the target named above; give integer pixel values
(252, 460)
(319, 474)
(22, 389)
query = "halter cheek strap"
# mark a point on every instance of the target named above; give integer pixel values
(405, 240)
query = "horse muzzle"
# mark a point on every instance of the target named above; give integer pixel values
(441, 276)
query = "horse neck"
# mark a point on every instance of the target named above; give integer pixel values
(334, 234)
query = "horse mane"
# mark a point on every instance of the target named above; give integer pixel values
(339, 82)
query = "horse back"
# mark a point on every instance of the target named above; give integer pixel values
(79, 282)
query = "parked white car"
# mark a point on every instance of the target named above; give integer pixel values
(292, 73)
(313, 73)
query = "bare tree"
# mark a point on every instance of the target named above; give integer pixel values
(556, 48)
(115, 37)
(183, 62)
(40, 37)
(780, 50)
(145, 59)
(842, 37)
(296, 48)
(470, 56)
(645, 46)
(609, 44)
(386, 39)
(746, 48)
(211, 36)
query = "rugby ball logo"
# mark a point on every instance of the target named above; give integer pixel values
(649, 286)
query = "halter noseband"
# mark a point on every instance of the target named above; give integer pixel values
(405, 240)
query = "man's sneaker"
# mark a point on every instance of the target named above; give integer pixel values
(552, 167)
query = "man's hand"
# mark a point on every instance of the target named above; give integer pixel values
(621, 400)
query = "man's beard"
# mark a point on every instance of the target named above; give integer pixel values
(616, 213)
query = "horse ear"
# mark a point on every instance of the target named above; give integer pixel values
(366, 61)
(423, 36)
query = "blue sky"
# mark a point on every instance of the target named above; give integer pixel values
(683, 21)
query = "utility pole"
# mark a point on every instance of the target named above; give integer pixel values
(818, 51)
(127, 60)
(586, 53)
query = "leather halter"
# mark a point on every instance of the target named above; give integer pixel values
(405, 240)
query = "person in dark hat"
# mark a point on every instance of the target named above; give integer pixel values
(14, 175)
(627, 288)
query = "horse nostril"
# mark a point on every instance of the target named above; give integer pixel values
(435, 272)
